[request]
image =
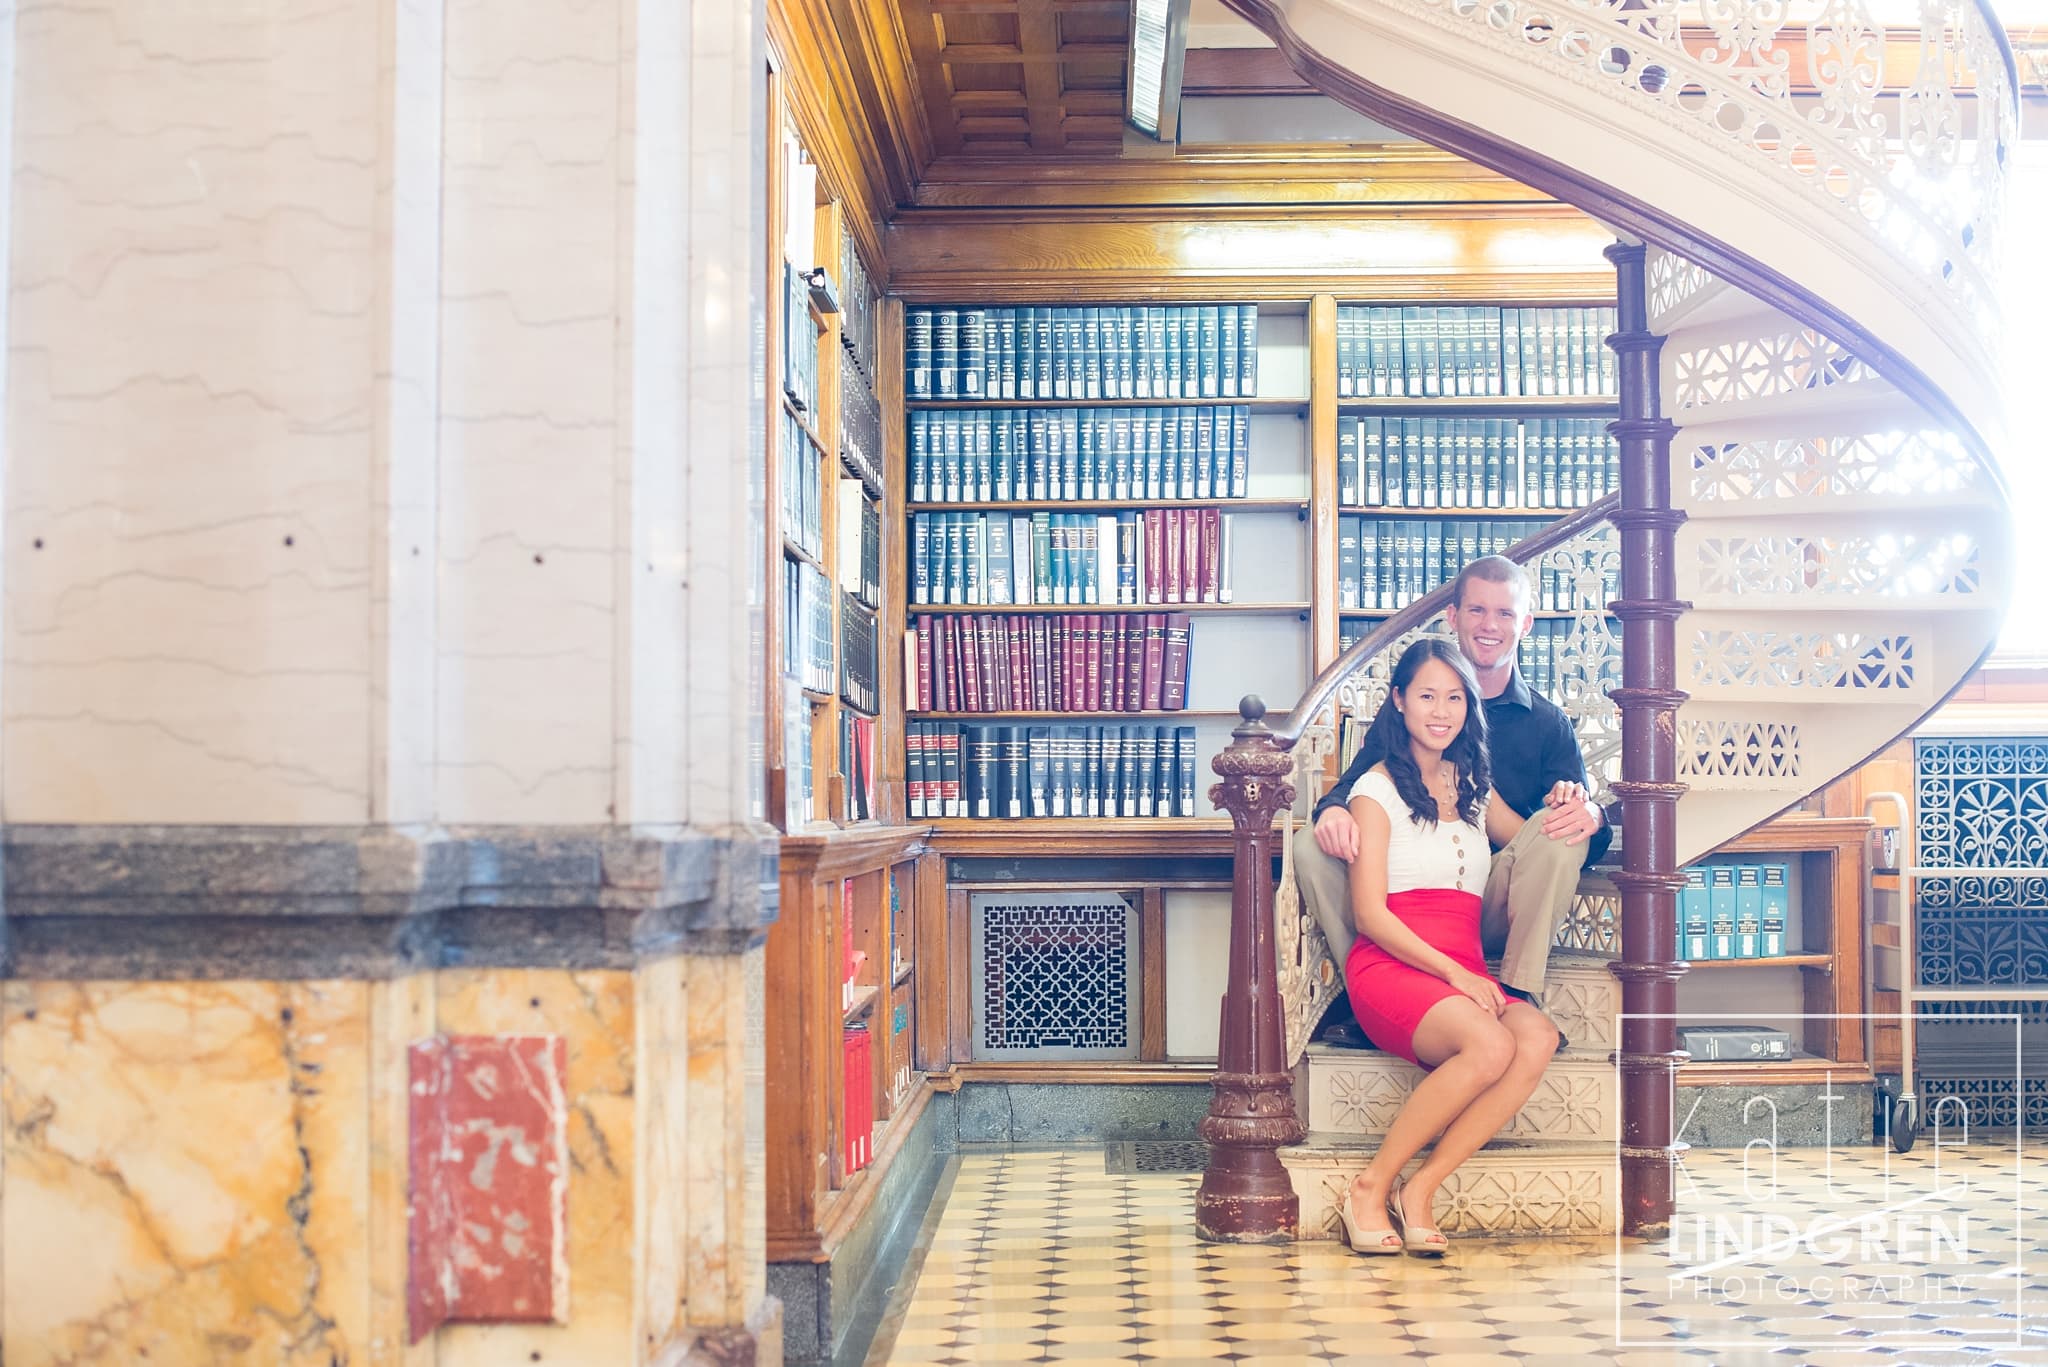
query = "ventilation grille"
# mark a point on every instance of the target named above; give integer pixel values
(1055, 976)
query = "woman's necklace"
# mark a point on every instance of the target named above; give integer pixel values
(1444, 787)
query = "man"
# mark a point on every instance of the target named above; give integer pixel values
(1537, 770)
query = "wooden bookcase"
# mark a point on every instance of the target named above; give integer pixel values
(1823, 980)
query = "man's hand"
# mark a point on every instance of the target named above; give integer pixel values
(1337, 834)
(1569, 813)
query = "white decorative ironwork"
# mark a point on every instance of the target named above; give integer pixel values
(1672, 283)
(1739, 369)
(1855, 660)
(1309, 979)
(1928, 200)
(1766, 751)
(1903, 465)
(1584, 576)
(1892, 564)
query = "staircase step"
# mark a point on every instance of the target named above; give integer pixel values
(1359, 1091)
(1507, 1188)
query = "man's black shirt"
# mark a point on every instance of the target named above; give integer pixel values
(1532, 746)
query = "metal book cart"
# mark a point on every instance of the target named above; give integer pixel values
(1896, 967)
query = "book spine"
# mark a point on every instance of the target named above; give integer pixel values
(1184, 770)
(1248, 351)
(1174, 675)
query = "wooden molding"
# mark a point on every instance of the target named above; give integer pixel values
(854, 850)
(1095, 1074)
(1539, 254)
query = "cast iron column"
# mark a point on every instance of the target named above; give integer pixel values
(1246, 1197)
(1649, 879)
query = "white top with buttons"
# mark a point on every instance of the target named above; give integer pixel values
(1448, 854)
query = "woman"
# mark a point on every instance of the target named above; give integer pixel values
(1416, 978)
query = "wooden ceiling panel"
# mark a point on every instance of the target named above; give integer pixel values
(1011, 76)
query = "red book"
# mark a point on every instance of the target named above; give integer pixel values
(1094, 635)
(949, 770)
(1016, 641)
(942, 664)
(1176, 684)
(924, 662)
(1056, 655)
(1113, 665)
(1155, 662)
(970, 664)
(1041, 664)
(1134, 662)
(1170, 548)
(1191, 557)
(999, 655)
(1212, 561)
(1155, 573)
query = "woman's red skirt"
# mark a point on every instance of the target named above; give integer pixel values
(1389, 997)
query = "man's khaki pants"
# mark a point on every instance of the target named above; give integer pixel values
(1528, 894)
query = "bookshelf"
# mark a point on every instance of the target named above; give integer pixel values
(1109, 525)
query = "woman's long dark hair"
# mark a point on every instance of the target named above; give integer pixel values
(1467, 749)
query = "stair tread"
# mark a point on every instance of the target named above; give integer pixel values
(1337, 1142)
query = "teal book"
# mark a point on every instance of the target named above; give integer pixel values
(1776, 913)
(1749, 910)
(1721, 909)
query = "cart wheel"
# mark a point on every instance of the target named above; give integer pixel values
(1905, 1125)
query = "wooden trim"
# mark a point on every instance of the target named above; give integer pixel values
(891, 796)
(1122, 838)
(1322, 459)
(960, 972)
(1787, 1073)
(933, 959)
(1152, 974)
(1444, 254)
(852, 850)
(1090, 1074)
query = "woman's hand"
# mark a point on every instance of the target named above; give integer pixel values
(1480, 989)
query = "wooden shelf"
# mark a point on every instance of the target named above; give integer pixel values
(1780, 961)
(796, 552)
(903, 974)
(1256, 404)
(803, 420)
(1197, 609)
(1380, 614)
(864, 999)
(1773, 1072)
(819, 695)
(1195, 713)
(1543, 404)
(1543, 515)
(1070, 505)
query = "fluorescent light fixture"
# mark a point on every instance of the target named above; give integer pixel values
(1159, 50)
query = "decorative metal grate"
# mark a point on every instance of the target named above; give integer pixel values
(1155, 1155)
(1989, 1102)
(1055, 976)
(1982, 802)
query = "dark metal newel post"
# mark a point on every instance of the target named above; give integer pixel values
(1649, 789)
(1246, 1196)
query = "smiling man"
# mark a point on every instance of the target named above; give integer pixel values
(1537, 770)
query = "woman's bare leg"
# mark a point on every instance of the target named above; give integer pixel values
(1535, 1041)
(1471, 1050)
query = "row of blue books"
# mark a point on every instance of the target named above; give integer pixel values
(1111, 351)
(1405, 462)
(982, 455)
(1735, 911)
(1477, 350)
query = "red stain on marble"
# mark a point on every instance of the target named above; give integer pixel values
(490, 1166)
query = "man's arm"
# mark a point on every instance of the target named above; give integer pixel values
(1562, 763)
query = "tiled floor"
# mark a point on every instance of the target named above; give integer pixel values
(1047, 1257)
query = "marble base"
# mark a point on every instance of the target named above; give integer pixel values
(1052, 1113)
(1711, 1117)
(1547, 1189)
(1360, 1091)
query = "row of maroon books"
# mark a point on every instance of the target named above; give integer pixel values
(1073, 662)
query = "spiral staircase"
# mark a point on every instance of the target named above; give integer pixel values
(1820, 269)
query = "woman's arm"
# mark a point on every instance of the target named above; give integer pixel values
(1369, 896)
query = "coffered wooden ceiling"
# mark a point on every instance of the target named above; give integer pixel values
(1011, 77)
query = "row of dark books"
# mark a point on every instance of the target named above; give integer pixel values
(1473, 350)
(858, 298)
(860, 671)
(1111, 351)
(800, 499)
(1474, 462)
(1083, 662)
(799, 342)
(1386, 563)
(980, 455)
(1128, 558)
(860, 543)
(1735, 911)
(860, 434)
(857, 765)
(807, 626)
(977, 769)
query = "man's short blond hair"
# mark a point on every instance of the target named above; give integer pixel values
(1494, 569)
